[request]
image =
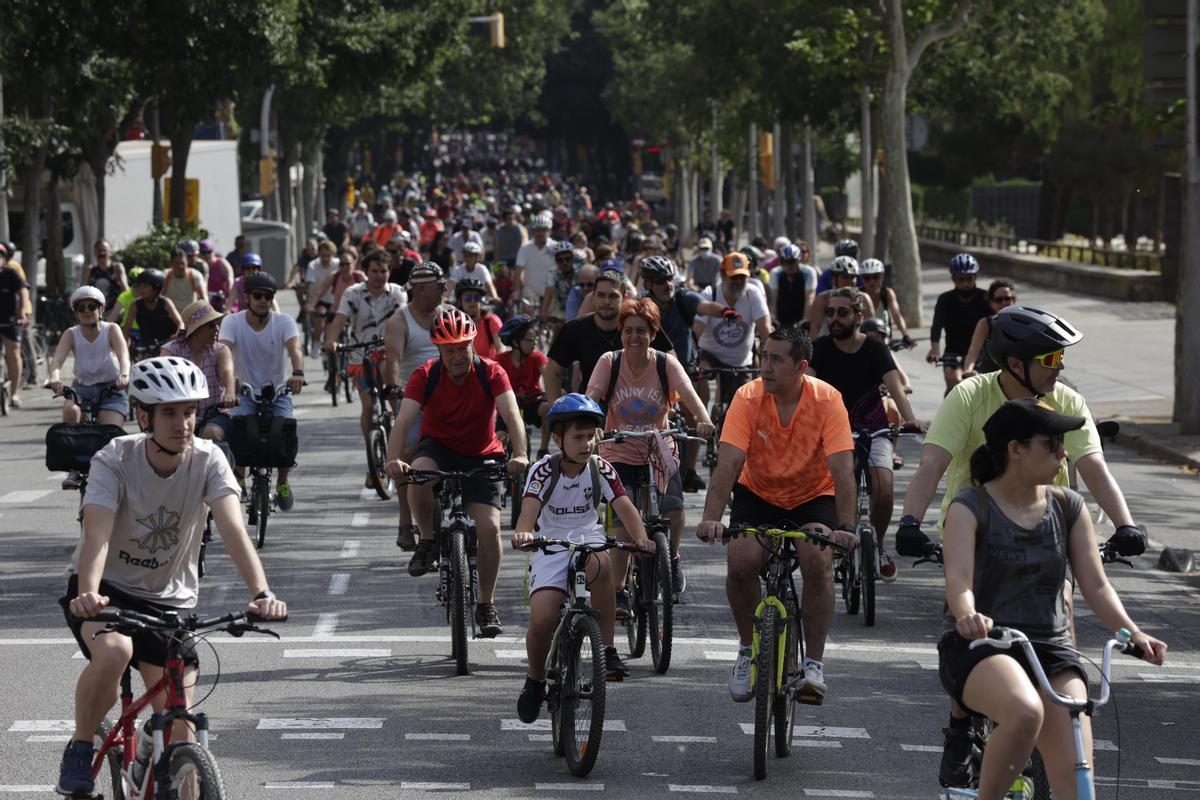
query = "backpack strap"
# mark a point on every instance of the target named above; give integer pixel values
(984, 516)
(594, 466)
(556, 475)
(614, 373)
(660, 365)
(431, 380)
(481, 371)
(1060, 499)
(435, 375)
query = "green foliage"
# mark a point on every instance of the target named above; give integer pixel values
(154, 249)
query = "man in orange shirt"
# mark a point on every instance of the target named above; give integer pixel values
(787, 456)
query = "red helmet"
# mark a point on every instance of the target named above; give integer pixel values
(452, 327)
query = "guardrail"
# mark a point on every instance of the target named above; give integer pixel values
(1079, 253)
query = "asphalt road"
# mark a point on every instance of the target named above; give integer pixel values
(359, 699)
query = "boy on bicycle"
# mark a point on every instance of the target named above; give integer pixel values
(563, 502)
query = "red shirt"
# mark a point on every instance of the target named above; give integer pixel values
(485, 335)
(460, 417)
(525, 379)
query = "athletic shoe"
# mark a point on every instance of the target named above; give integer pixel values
(740, 688)
(423, 559)
(15, 402)
(677, 576)
(617, 671)
(622, 604)
(956, 757)
(692, 482)
(812, 686)
(75, 773)
(72, 481)
(488, 621)
(284, 497)
(529, 704)
(406, 538)
(887, 568)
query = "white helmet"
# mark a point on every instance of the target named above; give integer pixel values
(87, 293)
(844, 265)
(543, 219)
(473, 247)
(167, 379)
(560, 247)
(781, 241)
(870, 266)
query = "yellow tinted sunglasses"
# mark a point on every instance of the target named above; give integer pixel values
(1051, 360)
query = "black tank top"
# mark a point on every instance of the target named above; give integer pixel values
(155, 323)
(106, 282)
(791, 302)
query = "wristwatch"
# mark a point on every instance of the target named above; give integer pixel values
(265, 594)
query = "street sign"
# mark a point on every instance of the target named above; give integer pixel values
(191, 200)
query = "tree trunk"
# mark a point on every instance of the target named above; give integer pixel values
(752, 187)
(56, 280)
(906, 259)
(866, 167)
(883, 226)
(181, 145)
(285, 182)
(787, 151)
(1133, 219)
(808, 202)
(31, 234)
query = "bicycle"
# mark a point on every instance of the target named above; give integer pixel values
(262, 451)
(454, 532)
(513, 487)
(778, 644)
(335, 367)
(134, 769)
(207, 537)
(576, 676)
(724, 397)
(1033, 779)
(858, 571)
(5, 394)
(382, 418)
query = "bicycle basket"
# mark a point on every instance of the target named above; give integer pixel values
(273, 445)
(71, 447)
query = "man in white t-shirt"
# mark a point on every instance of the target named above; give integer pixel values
(143, 519)
(471, 267)
(728, 341)
(262, 341)
(535, 263)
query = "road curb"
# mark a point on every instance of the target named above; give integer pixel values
(1133, 437)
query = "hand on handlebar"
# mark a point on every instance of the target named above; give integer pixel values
(935, 352)
(521, 538)
(711, 531)
(1153, 650)
(910, 540)
(913, 426)
(842, 538)
(396, 468)
(516, 466)
(294, 383)
(268, 608)
(88, 604)
(973, 625)
(705, 430)
(1128, 541)
(646, 545)
(329, 347)
(55, 387)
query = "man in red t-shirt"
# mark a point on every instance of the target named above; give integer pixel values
(458, 432)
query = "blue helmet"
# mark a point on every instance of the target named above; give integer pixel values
(613, 263)
(573, 405)
(514, 328)
(964, 264)
(252, 259)
(789, 252)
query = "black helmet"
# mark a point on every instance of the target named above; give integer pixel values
(1025, 332)
(846, 247)
(514, 328)
(873, 325)
(755, 255)
(153, 277)
(658, 268)
(468, 285)
(260, 282)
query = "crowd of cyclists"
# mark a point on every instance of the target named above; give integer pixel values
(499, 317)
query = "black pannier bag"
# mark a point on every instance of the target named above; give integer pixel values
(272, 445)
(71, 447)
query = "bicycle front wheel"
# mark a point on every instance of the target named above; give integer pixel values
(866, 571)
(637, 623)
(346, 380)
(108, 779)
(262, 499)
(764, 687)
(376, 459)
(205, 539)
(661, 609)
(851, 589)
(460, 601)
(331, 371)
(785, 701)
(193, 774)
(582, 709)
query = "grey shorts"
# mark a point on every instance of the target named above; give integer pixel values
(671, 500)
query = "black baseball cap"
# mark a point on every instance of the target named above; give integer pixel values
(1021, 420)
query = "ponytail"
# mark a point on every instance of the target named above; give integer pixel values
(987, 465)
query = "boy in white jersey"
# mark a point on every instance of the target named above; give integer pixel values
(561, 501)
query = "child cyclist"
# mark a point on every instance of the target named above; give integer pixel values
(565, 505)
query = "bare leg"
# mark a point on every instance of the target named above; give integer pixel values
(543, 617)
(420, 500)
(96, 689)
(487, 535)
(882, 498)
(1057, 741)
(999, 688)
(816, 610)
(744, 558)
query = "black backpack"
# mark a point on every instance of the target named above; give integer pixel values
(435, 374)
(660, 364)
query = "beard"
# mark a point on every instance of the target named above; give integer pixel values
(841, 331)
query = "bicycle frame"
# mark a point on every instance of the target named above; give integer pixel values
(781, 588)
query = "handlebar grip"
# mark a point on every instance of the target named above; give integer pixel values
(1131, 649)
(254, 619)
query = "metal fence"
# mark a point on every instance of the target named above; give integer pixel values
(1079, 253)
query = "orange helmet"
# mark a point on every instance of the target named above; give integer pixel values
(735, 264)
(452, 327)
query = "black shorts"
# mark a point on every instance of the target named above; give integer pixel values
(11, 332)
(474, 491)
(149, 647)
(750, 510)
(956, 659)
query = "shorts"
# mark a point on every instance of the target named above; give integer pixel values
(549, 570)
(149, 647)
(282, 407)
(359, 374)
(13, 333)
(668, 502)
(956, 659)
(750, 510)
(882, 451)
(118, 402)
(475, 491)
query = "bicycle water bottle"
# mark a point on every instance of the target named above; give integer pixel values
(474, 580)
(145, 749)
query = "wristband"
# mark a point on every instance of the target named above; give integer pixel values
(848, 527)
(265, 594)
(297, 373)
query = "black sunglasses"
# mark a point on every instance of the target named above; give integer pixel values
(85, 307)
(262, 295)
(840, 312)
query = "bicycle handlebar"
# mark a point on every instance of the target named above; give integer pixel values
(672, 433)
(67, 393)
(783, 533)
(609, 543)
(493, 471)
(369, 344)
(949, 362)
(235, 623)
(1108, 555)
(889, 432)
(712, 372)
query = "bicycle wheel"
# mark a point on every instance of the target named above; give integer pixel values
(785, 702)
(347, 381)
(866, 571)
(460, 600)
(204, 541)
(636, 624)
(583, 698)
(558, 673)
(262, 499)
(850, 582)
(3, 396)
(661, 610)
(764, 687)
(331, 370)
(381, 482)
(108, 780)
(194, 775)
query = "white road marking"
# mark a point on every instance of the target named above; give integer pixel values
(42, 726)
(836, 793)
(360, 519)
(320, 652)
(350, 548)
(510, 654)
(312, 736)
(702, 788)
(78, 655)
(540, 737)
(432, 786)
(817, 731)
(326, 625)
(438, 737)
(931, 665)
(1182, 762)
(610, 725)
(720, 655)
(300, 412)
(25, 788)
(833, 744)
(685, 739)
(300, 785)
(25, 496)
(339, 582)
(317, 723)
(921, 748)
(569, 787)
(49, 737)
(1153, 677)
(1105, 744)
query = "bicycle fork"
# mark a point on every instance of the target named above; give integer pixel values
(780, 641)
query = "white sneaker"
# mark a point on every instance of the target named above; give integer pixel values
(739, 680)
(812, 687)
(887, 568)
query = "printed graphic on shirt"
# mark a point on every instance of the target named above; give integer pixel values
(163, 528)
(731, 334)
(571, 508)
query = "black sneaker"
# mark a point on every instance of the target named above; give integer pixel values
(622, 604)
(406, 537)
(424, 558)
(488, 621)
(75, 774)
(692, 482)
(677, 576)
(956, 757)
(617, 671)
(529, 704)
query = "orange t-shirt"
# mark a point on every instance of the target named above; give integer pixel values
(786, 465)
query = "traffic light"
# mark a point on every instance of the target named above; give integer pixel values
(766, 159)
(160, 160)
(266, 174)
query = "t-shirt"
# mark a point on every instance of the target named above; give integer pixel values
(11, 284)
(479, 273)
(791, 298)
(958, 319)
(637, 402)
(570, 510)
(676, 319)
(856, 376)
(260, 357)
(460, 417)
(787, 465)
(485, 335)
(159, 521)
(317, 272)
(460, 238)
(703, 268)
(538, 265)
(732, 341)
(581, 340)
(509, 239)
(527, 378)
(368, 314)
(336, 231)
(957, 428)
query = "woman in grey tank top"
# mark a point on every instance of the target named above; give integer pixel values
(1008, 542)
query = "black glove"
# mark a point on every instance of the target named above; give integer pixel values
(910, 541)
(1129, 541)
(908, 341)
(731, 315)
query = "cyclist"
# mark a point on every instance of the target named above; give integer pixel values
(220, 274)
(1030, 344)
(468, 296)
(14, 318)
(202, 325)
(535, 263)
(101, 360)
(552, 307)
(585, 282)
(457, 396)
(346, 276)
(845, 273)
(957, 312)
(843, 247)
(856, 365)
(473, 267)
(523, 363)
(510, 235)
(105, 274)
(251, 266)
(1009, 542)
(638, 386)
(703, 267)
(262, 342)
(567, 508)
(154, 315)
(786, 455)
(144, 515)
(883, 298)
(318, 273)
(407, 339)
(793, 284)
(183, 284)
(1001, 295)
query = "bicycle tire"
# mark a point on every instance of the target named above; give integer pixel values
(205, 538)
(262, 499)
(331, 368)
(636, 624)
(866, 570)
(661, 612)
(764, 687)
(557, 673)
(460, 601)
(109, 782)
(191, 758)
(347, 381)
(785, 703)
(3, 397)
(850, 586)
(589, 679)
(381, 482)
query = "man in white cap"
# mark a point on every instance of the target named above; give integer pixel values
(702, 269)
(535, 263)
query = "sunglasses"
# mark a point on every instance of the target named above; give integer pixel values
(564, 259)
(471, 297)
(1004, 299)
(86, 307)
(586, 285)
(1051, 360)
(841, 312)
(1053, 443)
(261, 295)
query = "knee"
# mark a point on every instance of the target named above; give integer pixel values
(1024, 716)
